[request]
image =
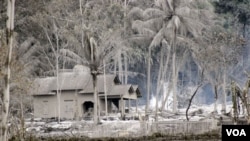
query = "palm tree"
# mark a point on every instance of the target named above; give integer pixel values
(94, 61)
(92, 55)
(175, 21)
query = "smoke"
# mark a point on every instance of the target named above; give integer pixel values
(169, 103)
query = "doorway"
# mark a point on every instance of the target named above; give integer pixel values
(88, 107)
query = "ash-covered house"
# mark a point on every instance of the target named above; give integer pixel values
(73, 94)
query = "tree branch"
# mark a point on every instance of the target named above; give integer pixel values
(192, 97)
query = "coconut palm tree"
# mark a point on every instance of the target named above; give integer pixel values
(175, 21)
(92, 55)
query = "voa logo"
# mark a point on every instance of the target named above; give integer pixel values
(236, 132)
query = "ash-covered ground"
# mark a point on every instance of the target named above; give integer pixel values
(202, 119)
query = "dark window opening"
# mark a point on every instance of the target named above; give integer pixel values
(88, 107)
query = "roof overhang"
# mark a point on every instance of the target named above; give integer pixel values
(45, 94)
(102, 96)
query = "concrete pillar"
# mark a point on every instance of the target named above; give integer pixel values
(122, 108)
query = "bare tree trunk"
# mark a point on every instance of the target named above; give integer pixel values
(190, 101)
(195, 92)
(234, 100)
(56, 53)
(80, 6)
(245, 102)
(94, 78)
(164, 71)
(247, 105)
(81, 13)
(174, 76)
(22, 130)
(158, 85)
(126, 76)
(58, 92)
(115, 63)
(167, 95)
(246, 99)
(6, 90)
(120, 72)
(148, 80)
(163, 77)
(105, 89)
(94, 72)
(125, 69)
(215, 98)
(224, 98)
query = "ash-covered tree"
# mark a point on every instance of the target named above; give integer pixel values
(238, 8)
(218, 57)
(172, 22)
(6, 69)
(237, 13)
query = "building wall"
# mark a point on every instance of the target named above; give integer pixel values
(103, 107)
(71, 105)
(67, 104)
(45, 106)
(82, 98)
